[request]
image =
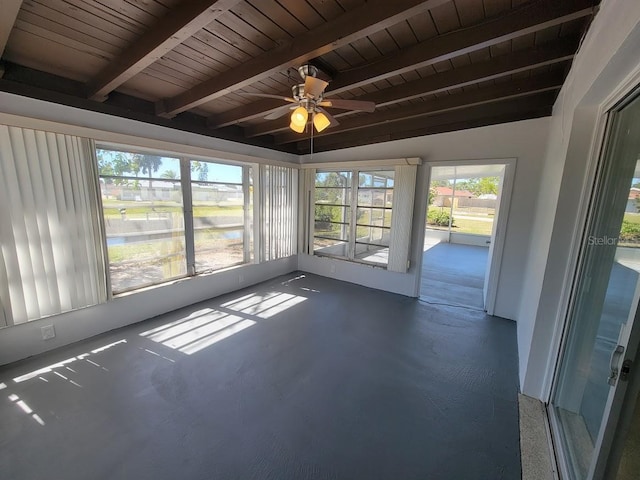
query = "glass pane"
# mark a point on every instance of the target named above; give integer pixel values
(218, 248)
(128, 164)
(333, 196)
(381, 179)
(332, 230)
(379, 236)
(218, 223)
(249, 219)
(377, 217)
(333, 179)
(336, 248)
(144, 226)
(330, 213)
(604, 299)
(375, 197)
(203, 171)
(372, 254)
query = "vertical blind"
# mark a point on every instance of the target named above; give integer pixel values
(401, 221)
(279, 205)
(51, 260)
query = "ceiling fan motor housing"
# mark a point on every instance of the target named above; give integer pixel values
(303, 99)
(307, 71)
(297, 92)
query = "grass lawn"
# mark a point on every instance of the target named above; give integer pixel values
(632, 217)
(465, 225)
(111, 209)
(171, 246)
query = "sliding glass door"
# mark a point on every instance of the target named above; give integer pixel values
(602, 326)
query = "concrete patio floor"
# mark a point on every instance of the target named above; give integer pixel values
(453, 274)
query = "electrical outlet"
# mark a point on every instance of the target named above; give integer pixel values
(48, 332)
(332, 268)
(240, 279)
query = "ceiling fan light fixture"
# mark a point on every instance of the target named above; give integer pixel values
(320, 121)
(299, 119)
(296, 128)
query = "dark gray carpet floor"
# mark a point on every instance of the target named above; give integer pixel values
(301, 377)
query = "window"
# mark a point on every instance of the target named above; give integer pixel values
(375, 200)
(144, 218)
(332, 213)
(168, 217)
(367, 197)
(221, 215)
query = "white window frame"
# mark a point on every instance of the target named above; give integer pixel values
(185, 182)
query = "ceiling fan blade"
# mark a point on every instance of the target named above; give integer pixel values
(279, 112)
(334, 122)
(348, 104)
(266, 95)
(314, 87)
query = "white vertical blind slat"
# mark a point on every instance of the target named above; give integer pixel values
(30, 252)
(13, 229)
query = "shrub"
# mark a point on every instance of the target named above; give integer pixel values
(323, 217)
(439, 218)
(630, 232)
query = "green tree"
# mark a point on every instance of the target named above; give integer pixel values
(169, 174)
(487, 185)
(117, 164)
(149, 164)
(433, 193)
(201, 168)
(440, 183)
(335, 185)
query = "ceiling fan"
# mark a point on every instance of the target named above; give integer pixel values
(308, 99)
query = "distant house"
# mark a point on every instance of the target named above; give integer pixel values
(632, 201)
(444, 195)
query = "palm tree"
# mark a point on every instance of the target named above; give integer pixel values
(170, 174)
(149, 164)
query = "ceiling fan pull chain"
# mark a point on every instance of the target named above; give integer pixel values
(311, 128)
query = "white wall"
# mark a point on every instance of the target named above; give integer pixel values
(25, 339)
(523, 140)
(38, 114)
(608, 55)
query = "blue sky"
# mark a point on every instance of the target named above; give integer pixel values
(216, 172)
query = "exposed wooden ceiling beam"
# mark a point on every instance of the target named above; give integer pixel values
(9, 9)
(461, 124)
(369, 18)
(257, 109)
(170, 31)
(497, 67)
(502, 91)
(457, 78)
(424, 125)
(529, 18)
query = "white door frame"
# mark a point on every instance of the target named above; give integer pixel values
(500, 227)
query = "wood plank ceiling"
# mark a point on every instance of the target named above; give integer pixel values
(430, 66)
